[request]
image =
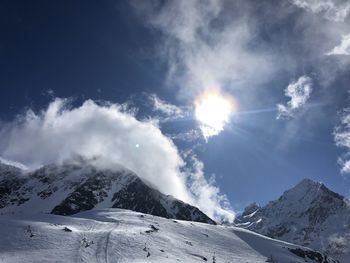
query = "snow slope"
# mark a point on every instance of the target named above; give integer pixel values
(115, 235)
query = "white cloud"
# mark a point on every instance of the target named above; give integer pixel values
(207, 195)
(343, 48)
(298, 92)
(205, 48)
(188, 136)
(335, 10)
(342, 139)
(170, 111)
(110, 133)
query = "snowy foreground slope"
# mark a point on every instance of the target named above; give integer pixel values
(115, 235)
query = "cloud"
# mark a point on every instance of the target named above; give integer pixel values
(205, 45)
(335, 10)
(111, 133)
(342, 139)
(299, 92)
(169, 111)
(207, 194)
(343, 48)
(188, 136)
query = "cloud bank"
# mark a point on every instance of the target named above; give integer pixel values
(114, 135)
(298, 92)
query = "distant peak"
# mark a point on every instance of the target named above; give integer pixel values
(308, 182)
(309, 188)
(306, 185)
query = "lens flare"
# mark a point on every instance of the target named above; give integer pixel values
(213, 110)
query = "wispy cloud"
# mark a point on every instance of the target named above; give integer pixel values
(335, 10)
(207, 194)
(299, 92)
(168, 110)
(111, 133)
(206, 46)
(188, 136)
(342, 139)
(343, 48)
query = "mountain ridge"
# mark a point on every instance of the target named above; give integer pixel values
(73, 187)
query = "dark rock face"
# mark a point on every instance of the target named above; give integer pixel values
(86, 196)
(74, 187)
(309, 214)
(10, 182)
(140, 198)
(137, 196)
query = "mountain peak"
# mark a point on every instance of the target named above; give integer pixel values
(308, 191)
(308, 183)
(304, 192)
(308, 214)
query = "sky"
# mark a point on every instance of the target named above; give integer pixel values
(219, 103)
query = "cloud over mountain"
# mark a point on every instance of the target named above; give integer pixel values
(115, 137)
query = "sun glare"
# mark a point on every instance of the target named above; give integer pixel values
(213, 110)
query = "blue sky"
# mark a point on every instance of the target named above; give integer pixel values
(137, 52)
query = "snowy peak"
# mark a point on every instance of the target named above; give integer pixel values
(308, 183)
(307, 191)
(76, 186)
(308, 214)
(310, 198)
(304, 191)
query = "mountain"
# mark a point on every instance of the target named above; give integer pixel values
(309, 214)
(116, 235)
(77, 186)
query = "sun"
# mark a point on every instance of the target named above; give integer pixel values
(213, 110)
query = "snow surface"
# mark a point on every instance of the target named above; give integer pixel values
(116, 235)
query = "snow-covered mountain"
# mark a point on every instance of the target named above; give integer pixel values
(78, 186)
(309, 214)
(116, 235)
